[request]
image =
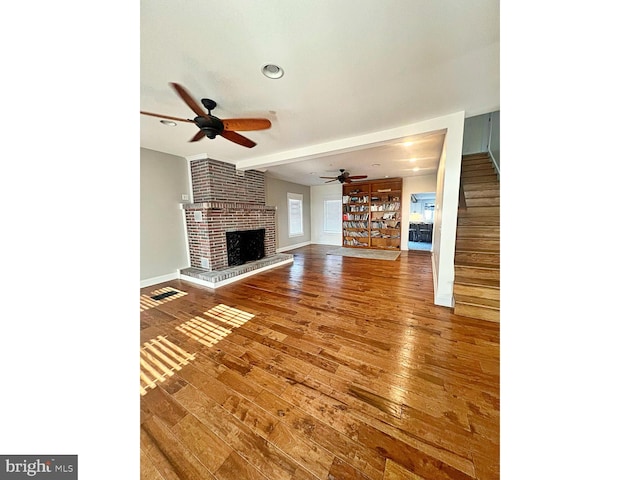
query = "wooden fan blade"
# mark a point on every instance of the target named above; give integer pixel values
(198, 136)
(334, 178)
(237, 138)
(188, 99)
(347, 180)
(357, 177)
(330, 180)
(244, 124)
(168, 117)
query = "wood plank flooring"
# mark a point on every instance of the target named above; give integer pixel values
(328, 368)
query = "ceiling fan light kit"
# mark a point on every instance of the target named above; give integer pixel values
(211, 126)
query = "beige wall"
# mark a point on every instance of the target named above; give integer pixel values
(163, 247)
(277, 196)
(320, 193)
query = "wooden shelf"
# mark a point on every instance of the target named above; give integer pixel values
(376, 208)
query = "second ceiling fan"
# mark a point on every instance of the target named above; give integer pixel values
(345, 177)
(211, 126)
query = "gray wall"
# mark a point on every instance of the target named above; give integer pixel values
(277, 196)
(163, 246)
(476, 134)
(482, 134)
(494, 143)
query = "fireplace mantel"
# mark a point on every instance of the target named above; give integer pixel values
(226, 206)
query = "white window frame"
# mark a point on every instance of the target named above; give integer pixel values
(332, 219)
(294, 199)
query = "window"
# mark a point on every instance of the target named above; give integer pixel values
(332, 216)
(428, 214)
(294, 206)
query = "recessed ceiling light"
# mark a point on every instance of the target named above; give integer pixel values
(412, 159)
(407, 144)
(168, 123)
(415, 169)
(375, 164)
(272, 71)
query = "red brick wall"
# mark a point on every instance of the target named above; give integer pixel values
(228, 203)
(216, 181)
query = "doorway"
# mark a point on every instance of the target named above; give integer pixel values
(421, 221)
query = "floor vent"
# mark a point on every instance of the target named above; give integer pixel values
(163, 295)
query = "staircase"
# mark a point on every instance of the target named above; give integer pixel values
(476, 288)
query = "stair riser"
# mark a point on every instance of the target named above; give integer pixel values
(481, 191)
(481, 313)
(477, 166)
(475, 158)
(479, 221)
(477, 171)
(480, 179)
(485, 302)
(478, 244)
(477, 273)
(483, 202)
(477, 259)
(478, 232)
(480, 212)
(486, 293)
(469, 162)
(484, 186)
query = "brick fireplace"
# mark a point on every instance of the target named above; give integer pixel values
(225, 201)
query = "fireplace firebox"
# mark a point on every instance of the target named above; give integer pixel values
(245, 246)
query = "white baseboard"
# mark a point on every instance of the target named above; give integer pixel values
(155, 280)
(335, 243)
(442, 300)
(291, 247)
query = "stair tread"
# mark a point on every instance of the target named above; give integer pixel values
(476, 156)
(479, 228)
(488, 307)
(488, 266)
(493, 246)
(478, 172)
(488, 211)
(478, 282)
(493, 267)
(477, 254)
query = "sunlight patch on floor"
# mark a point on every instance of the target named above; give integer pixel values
(209, 332)
(160, 359)
(229, 315)
(146, 302)
(204, 331)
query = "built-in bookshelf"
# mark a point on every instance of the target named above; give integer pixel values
(371, 214)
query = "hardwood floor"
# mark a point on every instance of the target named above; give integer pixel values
(329, 368)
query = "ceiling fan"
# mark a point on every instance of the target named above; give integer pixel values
(345, 177)
(211, 126)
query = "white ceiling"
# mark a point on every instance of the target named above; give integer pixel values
(351, 69)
